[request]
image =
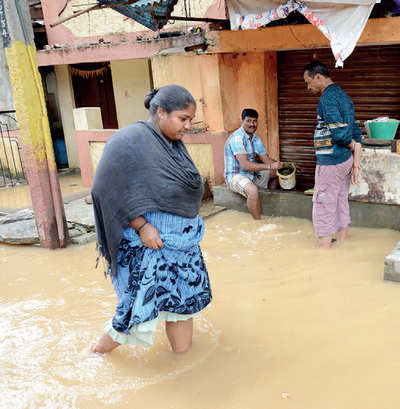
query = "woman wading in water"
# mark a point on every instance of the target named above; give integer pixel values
(146, 197)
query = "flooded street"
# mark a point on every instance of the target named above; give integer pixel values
(290, 326)
(18, 197)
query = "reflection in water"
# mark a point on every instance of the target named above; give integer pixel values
(291, 326)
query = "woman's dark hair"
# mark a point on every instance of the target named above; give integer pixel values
(170, 98)
(316, 67)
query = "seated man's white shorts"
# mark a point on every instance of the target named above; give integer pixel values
(239, 182)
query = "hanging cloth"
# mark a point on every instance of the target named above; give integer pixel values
(342, 22)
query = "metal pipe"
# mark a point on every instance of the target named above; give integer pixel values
(12, 111)
(79, 13)
(12, 154)
(96, 7)
(182, 18)
(6, 156)
(2, 170)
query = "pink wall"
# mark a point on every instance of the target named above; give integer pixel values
(83, 139)
(62, 35)
(112, 51)
(111, 47)
(217, 141)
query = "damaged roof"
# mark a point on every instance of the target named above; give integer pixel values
(153, 14)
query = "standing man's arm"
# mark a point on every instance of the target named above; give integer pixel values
(341, 131)
(344, 134)
(356, 136)
(356, 163)
(355, 147)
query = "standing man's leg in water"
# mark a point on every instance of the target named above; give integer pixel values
(325, 242)
(342, 234)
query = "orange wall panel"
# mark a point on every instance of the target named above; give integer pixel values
(243, 86)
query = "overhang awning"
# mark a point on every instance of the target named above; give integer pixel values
(153, 14)
(341, 21)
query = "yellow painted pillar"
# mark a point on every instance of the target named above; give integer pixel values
(37, 148)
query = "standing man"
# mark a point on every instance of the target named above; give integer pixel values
(247, 165)
(336, 136)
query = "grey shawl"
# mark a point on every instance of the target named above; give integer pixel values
(139, 172)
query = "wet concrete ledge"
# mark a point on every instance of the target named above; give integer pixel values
(20, 228)
(296, 204)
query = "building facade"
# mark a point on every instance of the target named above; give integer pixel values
(259, 68)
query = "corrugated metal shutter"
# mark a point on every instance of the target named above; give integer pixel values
(371, 77)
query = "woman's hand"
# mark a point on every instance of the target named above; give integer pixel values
(150, 237)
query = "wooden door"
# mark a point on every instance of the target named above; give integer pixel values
(93, 87)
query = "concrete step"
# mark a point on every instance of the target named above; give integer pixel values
(297, 204)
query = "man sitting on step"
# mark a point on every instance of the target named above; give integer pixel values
(247, 165)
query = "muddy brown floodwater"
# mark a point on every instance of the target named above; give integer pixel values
(290, 326)
(18, 197)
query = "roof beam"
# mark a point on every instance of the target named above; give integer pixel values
(297, 37)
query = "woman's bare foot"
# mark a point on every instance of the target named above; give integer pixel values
(103, 345)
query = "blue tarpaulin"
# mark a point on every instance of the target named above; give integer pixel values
(153, 14)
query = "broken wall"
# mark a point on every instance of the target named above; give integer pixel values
(108, 21)
(379, 177)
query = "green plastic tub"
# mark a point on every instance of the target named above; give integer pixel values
(383, 130)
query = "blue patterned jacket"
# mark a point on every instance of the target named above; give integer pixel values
(336, 127)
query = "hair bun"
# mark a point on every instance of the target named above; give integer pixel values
(149, 96)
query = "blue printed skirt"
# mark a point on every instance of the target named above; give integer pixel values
(150, 283)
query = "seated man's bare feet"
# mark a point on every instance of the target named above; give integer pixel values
(103, 345)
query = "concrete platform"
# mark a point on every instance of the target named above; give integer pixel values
(20, 228)
(392, 265)
(296, 204)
